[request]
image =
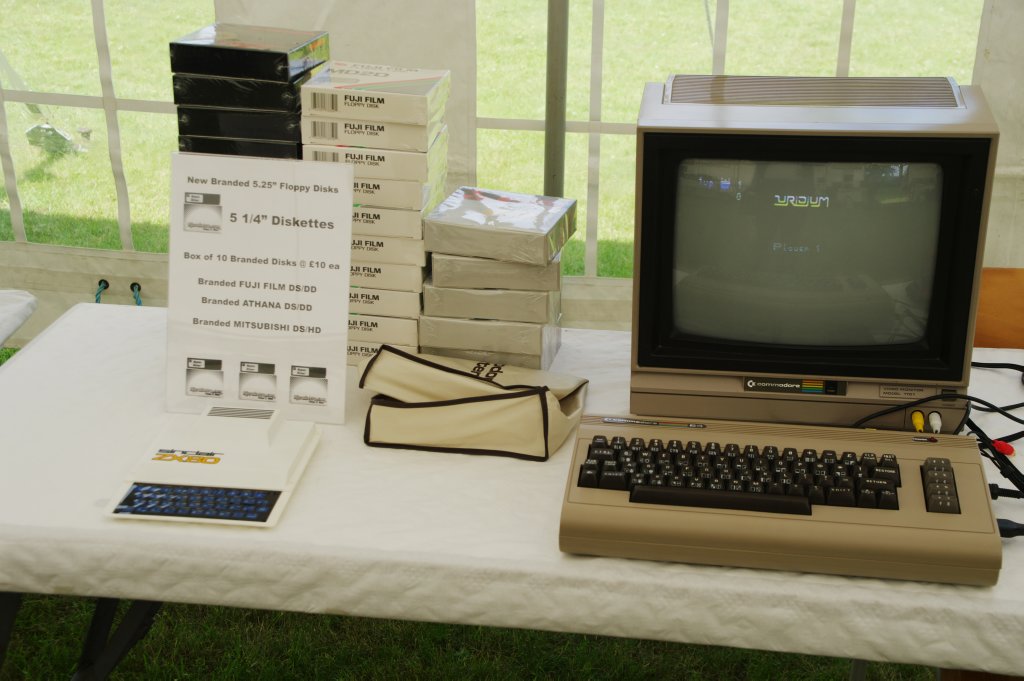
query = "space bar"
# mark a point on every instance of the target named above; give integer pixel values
(740, 501)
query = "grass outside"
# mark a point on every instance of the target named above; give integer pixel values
(194, 642)
(70, 200)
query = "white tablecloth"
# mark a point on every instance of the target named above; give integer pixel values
(425, 536)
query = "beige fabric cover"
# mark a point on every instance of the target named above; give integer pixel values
(450, 404)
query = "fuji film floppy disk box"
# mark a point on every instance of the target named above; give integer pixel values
(402, 194)
(391, 276)
(241, 51)
(387, 164)
(372, 92)
(459, 271)
(397, 222)
(359, 351)
(377, 329)
(375, 134)
(501, 225)
(383, 302)
(388, 249)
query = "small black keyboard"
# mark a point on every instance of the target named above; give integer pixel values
(198, 502)
(748, 477)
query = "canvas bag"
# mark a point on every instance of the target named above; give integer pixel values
(459, 405)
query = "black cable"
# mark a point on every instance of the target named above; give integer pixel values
(997, 492)
(1005, 466)
(1013, 437)
(1005, 407)
(967, 414)
(998, 365)
(1008, 528)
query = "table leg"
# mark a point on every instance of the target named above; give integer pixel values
(9, 604)
(100, 651)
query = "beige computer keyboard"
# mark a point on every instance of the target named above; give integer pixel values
(806, 498)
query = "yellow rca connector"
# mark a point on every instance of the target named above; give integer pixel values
(917, 418)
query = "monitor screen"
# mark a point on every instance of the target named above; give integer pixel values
(800, 253)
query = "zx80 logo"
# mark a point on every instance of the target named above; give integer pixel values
(184, 456)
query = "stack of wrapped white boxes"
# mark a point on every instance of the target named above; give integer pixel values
(389, 123)
(494, 294)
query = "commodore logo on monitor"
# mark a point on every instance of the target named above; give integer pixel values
(795, 385)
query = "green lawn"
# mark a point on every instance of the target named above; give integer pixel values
(70, 200)
(192, 642)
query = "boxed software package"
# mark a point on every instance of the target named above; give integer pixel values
(360, 351)
(493, 336)
(239, 147)
(388, 249)
(387, 163)
(389, 276)
(541, 361)
(459, 271)
(540, 307)
(372, 92)
(401, 194)
(384, 302)
(397, 222)
(241, 51)
(282, 126)
(500, 225)
(377, 329)
(376, 134)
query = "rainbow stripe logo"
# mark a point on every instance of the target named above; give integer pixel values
(812, 387)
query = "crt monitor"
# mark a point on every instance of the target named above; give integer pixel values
(808, 250)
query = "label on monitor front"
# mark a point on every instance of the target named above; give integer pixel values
(794, 385)
(902, 392)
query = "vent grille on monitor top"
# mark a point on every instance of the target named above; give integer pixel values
(238, 413)
(812, 91)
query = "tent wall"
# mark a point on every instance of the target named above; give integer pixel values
(999, 70)
(443, 35)
(424, 35)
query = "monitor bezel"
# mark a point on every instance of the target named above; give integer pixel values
(939, 356)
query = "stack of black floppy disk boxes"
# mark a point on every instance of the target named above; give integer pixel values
(237, 88)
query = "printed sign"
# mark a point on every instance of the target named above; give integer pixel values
(258, 285)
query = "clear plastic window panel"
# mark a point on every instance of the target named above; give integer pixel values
(48, 47)
(64, 176)
(139, 35)
(147, 141)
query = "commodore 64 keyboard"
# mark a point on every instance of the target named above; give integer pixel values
(813, 499)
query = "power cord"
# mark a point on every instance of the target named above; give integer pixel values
(998, 492)
(1000, 365)
(1008, 528)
